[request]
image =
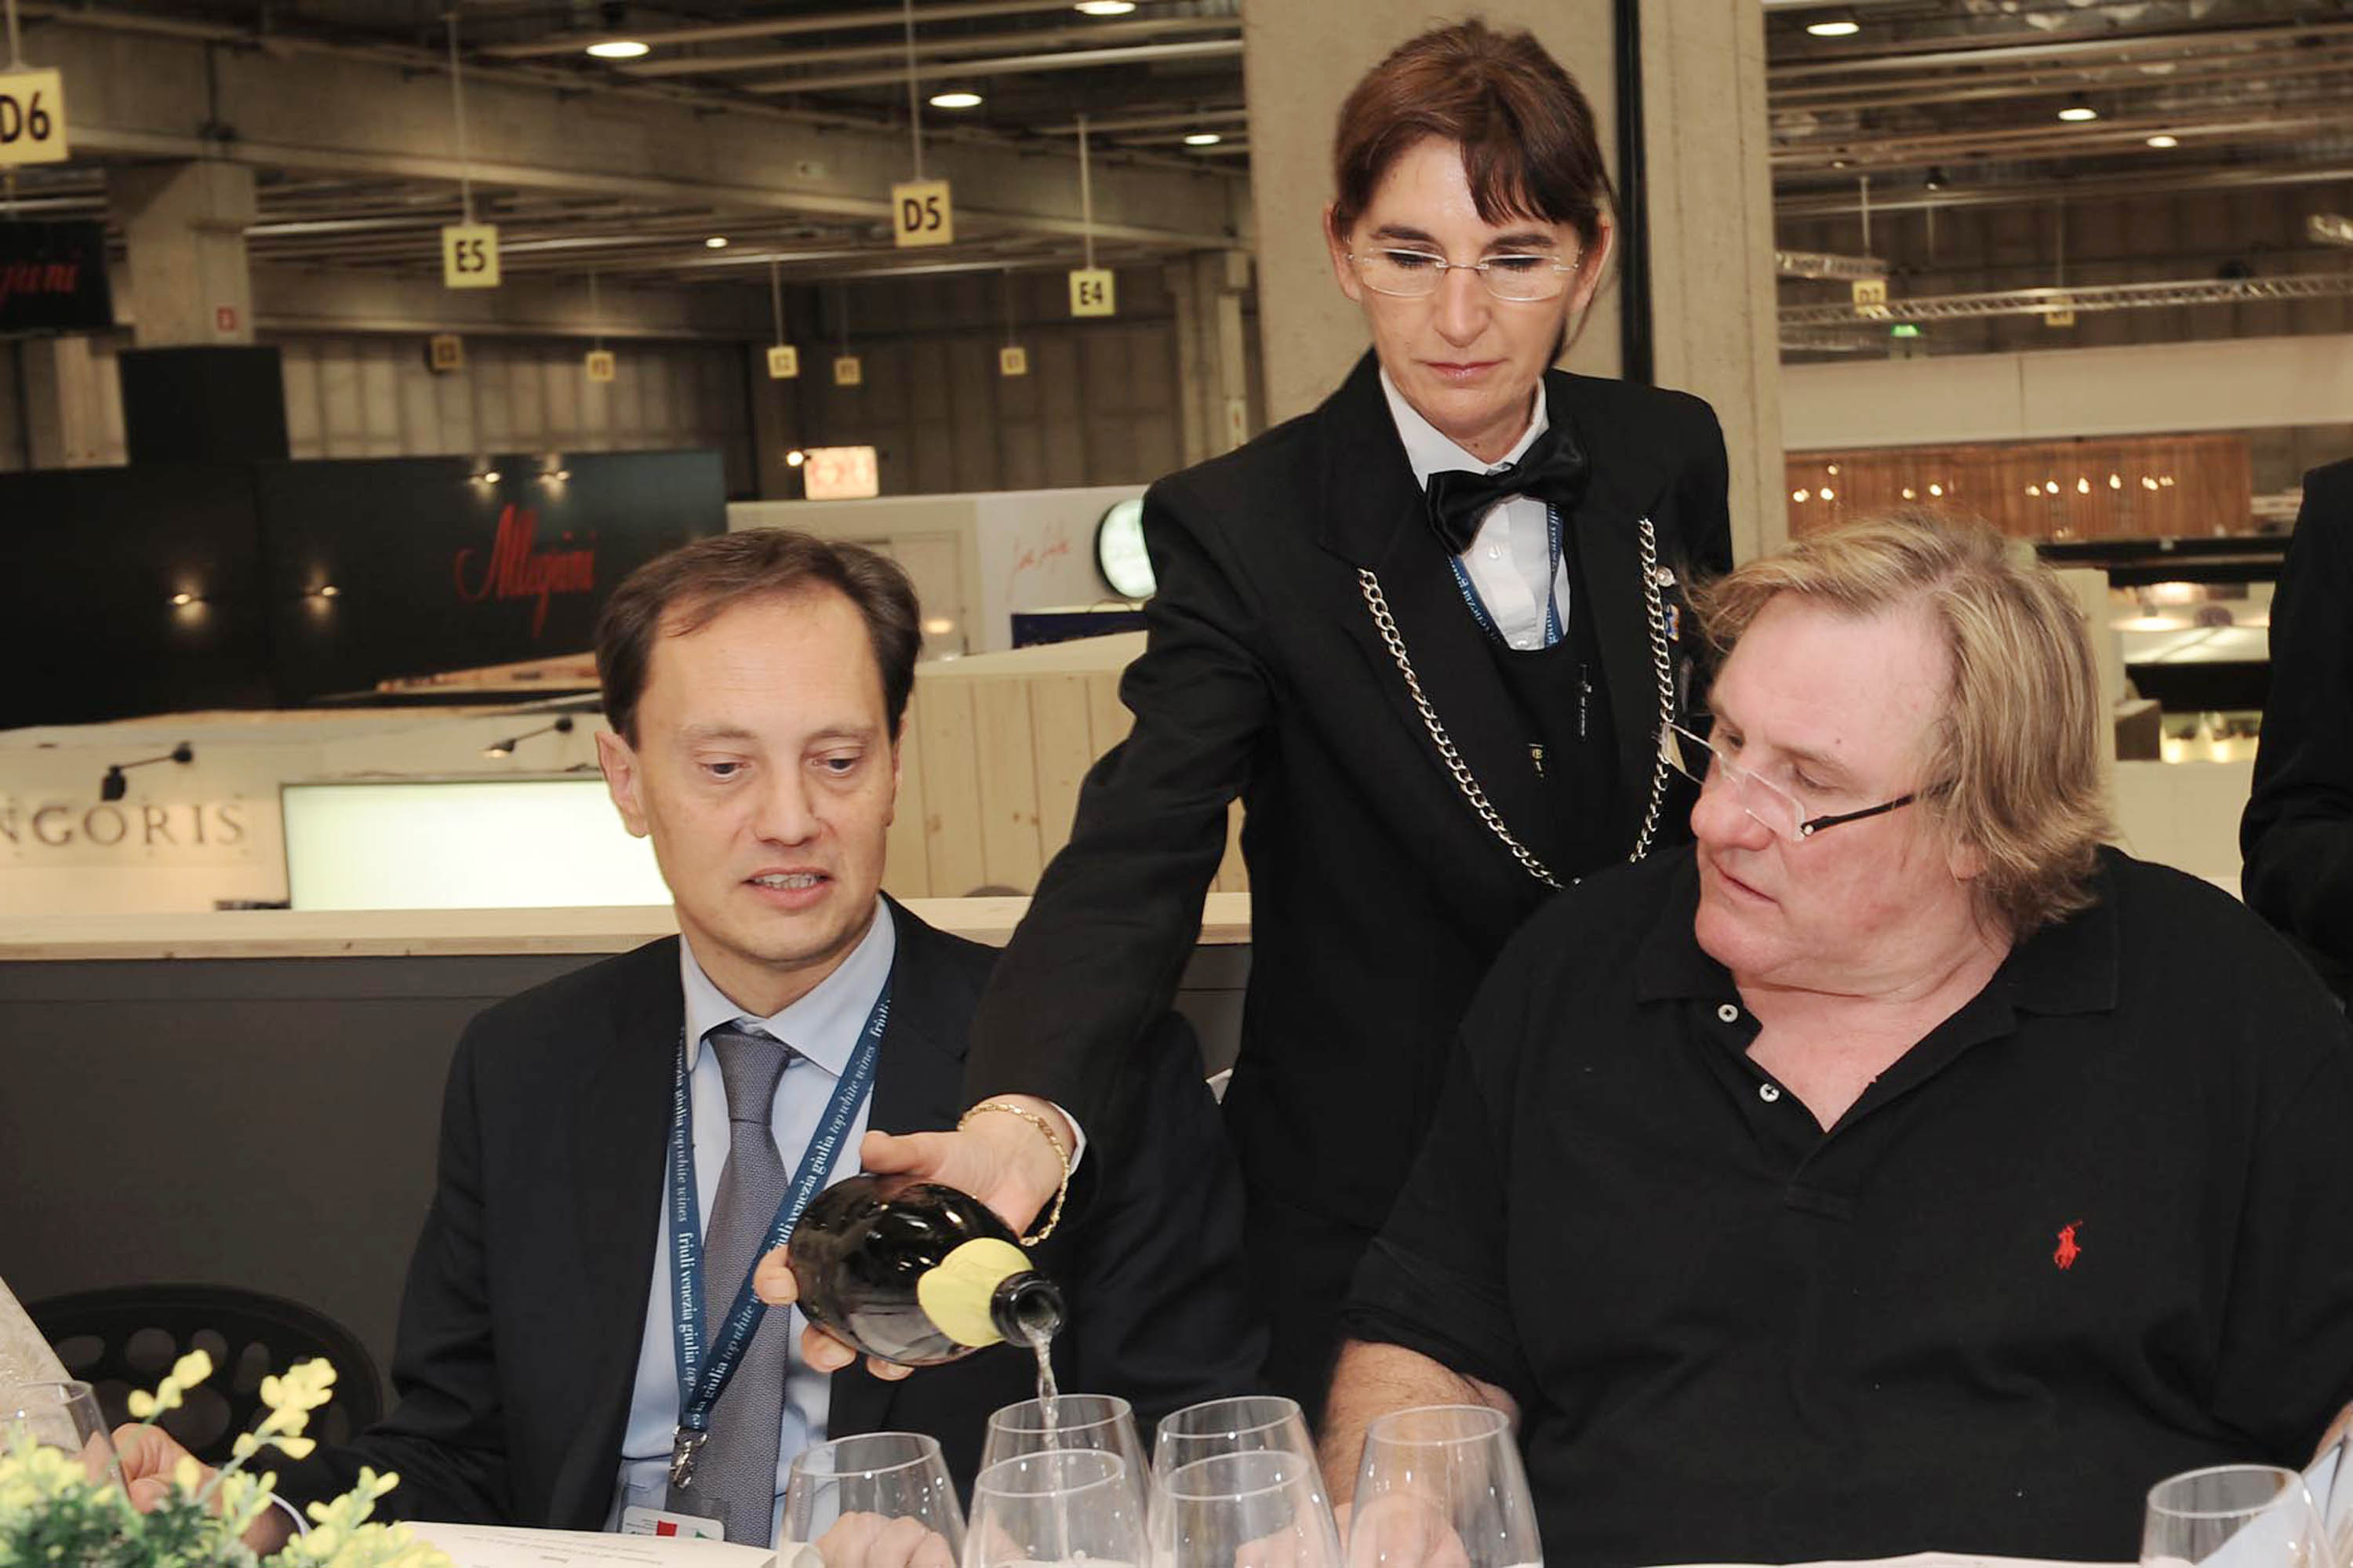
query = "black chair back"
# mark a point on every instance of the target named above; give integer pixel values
(127, 1337)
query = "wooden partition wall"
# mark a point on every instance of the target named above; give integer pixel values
(2132, 487)
(990, 763)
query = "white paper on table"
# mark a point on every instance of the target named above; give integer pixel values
(504, 1546)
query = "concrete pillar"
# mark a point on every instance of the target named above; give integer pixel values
(1709, 204)
(1212, 360)
(65, 409)
(184, 226)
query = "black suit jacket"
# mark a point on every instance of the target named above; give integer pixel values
(520, 1326)
(1378, 894)
(2297, 833)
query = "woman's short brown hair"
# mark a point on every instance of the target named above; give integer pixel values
(686, 589)
(1527, 135)
(2014, 769)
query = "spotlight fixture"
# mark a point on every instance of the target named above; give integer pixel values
(1840, 26)
(1203, 139)
(563, 726)
(1936, 490)
(114, 786)
(329, 590)
(620, 49)
(484, 475)
(1104, 7)
(2162, 141)
(1937, 179)
(182, 600)
(955, 101)
(2079, 111)
(716, 242)
(795, 458)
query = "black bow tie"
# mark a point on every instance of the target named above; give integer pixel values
(1553, 470)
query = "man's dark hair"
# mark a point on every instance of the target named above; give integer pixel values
(1529, 146)
(686, 589)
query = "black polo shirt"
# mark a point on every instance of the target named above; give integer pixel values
(2094, 1229)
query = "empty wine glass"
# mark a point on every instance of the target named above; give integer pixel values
(1442, 1483)
(1103, 1421)
(2237, 1516)
(1250, 1423)
(1064, 1505)
(1256, 1509)
(62, 1416)
(879, 1497)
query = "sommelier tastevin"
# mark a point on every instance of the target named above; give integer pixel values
(1427, 634)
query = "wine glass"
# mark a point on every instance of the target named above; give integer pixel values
(2241, 1516)
(1250, 1423)
(1099, 1421)
(62, 1416)
(878, 1496)
(1064, 1505)
(1253, 1510)
(1442, 1483)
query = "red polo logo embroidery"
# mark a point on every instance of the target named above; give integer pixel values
(2067, 1251)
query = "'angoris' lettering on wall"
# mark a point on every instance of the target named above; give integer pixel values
(177, 833)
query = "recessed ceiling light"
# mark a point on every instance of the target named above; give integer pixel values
(620, 49)
(1203, 139)
(2161, 139)
(1838, 27)
(716, 242)
(1105, 8)
(955, 101)
(2076, 113)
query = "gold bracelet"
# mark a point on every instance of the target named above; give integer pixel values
(1053, 1140)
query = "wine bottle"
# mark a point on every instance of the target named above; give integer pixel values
(917, 1272)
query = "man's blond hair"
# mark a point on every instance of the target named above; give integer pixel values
(2013, 769)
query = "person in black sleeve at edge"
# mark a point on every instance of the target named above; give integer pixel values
(2297, 833)
(1427, 635)
(757, 683)
(1896, 1168)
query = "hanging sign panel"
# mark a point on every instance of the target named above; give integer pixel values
(53, 278)
(1870, 297)
(601, 366)
(784, 362)
(32, 117)
(1094, 292)
(1012, 361)
(469, 255)
(848, 371)
(444, 352)
(922, 214)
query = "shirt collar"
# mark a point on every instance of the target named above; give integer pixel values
(2070, 967)
(822, 1026)
(1431, 452)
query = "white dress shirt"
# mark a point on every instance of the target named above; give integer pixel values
(822, 1028)
(1510, 557)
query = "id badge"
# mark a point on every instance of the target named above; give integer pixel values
(657, 1521)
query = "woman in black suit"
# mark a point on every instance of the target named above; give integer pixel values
(1437, 688)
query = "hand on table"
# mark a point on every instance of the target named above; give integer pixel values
(871, 1540)
(151, 1457)
(1000, 1159)
(1399, 1530)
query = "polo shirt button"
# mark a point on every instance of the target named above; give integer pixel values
(1728, 1014)
(1769, 1093)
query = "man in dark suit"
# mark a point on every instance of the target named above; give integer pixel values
(2297, 833)
(756, 684)
(1427, 634)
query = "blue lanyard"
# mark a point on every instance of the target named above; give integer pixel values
(1552, 594)
(701, 1381)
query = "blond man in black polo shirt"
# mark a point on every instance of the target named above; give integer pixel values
(1896, 1168)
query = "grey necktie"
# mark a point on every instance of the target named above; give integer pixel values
(735, 1475)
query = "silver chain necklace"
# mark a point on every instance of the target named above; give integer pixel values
(1654, 581)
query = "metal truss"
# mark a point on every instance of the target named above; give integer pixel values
(2083, 297)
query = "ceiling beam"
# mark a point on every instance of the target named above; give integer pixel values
(781, 26)
(1006, 65)
(932, 48)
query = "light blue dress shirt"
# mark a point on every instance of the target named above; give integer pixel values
(1511, 556)
(822, 1028)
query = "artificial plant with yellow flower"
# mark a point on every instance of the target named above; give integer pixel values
(55, 1512)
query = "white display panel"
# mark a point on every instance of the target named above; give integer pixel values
(505, 843)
